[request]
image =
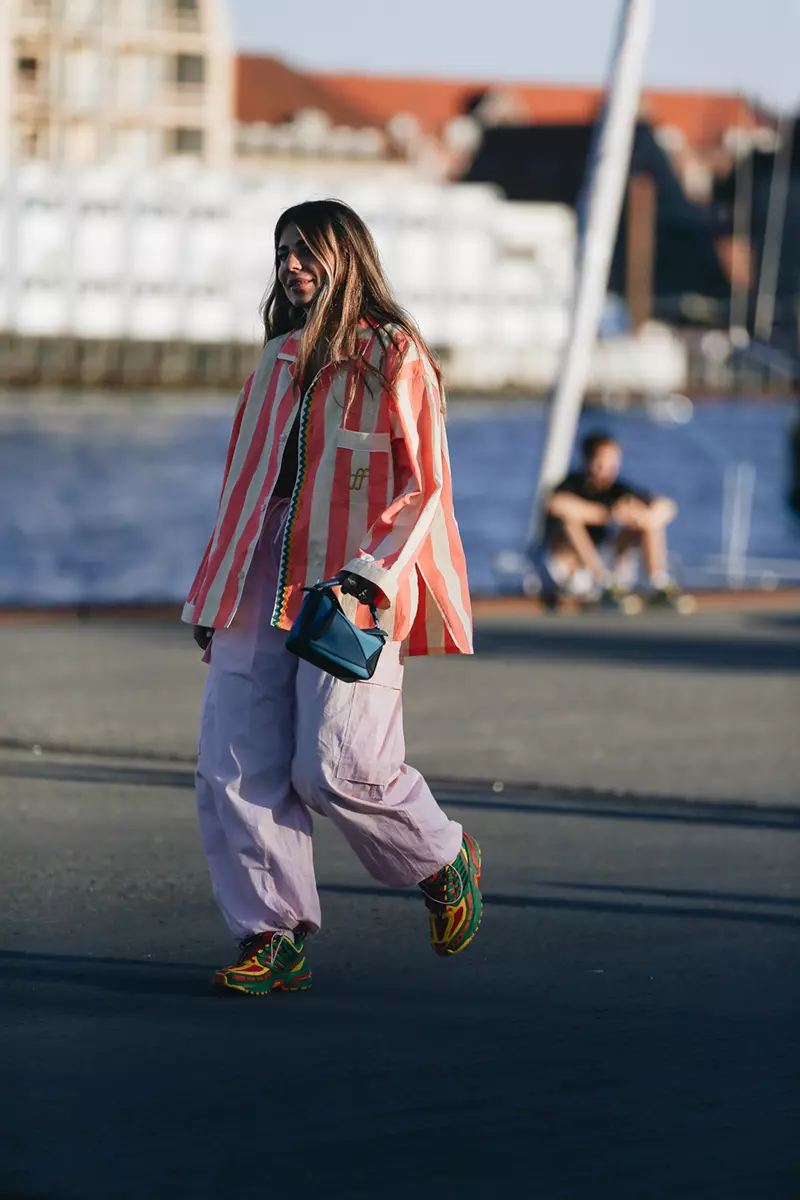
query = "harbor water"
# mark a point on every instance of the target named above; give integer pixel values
(112, 500)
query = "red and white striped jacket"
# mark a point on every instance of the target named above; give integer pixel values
(373, 494)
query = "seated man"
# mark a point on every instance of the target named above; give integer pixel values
(593, 508)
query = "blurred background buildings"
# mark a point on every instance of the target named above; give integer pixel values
(143, 163)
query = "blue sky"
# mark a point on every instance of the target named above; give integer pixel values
(751, 46)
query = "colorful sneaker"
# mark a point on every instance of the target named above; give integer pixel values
(269, 962)
(671, 596)
(454, 899)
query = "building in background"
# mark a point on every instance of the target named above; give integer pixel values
(137, 81)
(666, 262)
(142, 165)
(289, 120)
(140, 81)
(674, 259)
(438, 124)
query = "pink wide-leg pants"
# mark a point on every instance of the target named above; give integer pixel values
(280, 738)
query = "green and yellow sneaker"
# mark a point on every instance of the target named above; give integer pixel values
(454, 900)
(269, 962)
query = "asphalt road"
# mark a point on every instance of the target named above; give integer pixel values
(625, 1024)
(704, 707)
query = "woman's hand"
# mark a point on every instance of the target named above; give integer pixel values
(203, 636)
(363, 590)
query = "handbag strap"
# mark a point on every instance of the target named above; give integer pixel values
(330, 583)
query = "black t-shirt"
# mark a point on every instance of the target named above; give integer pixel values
(577, 484)
(284, 485)
(287, 476)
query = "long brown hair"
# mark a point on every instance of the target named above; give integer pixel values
(355, 289)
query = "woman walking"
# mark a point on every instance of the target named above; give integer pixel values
(337, 467)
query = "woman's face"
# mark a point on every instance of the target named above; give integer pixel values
(300, 273)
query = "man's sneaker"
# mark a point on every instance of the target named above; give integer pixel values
(621, 600)
(454, 900)
(269, 962)
(671, 596)
(550, 598)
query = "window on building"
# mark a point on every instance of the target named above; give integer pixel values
(79, 12)
(41, 283)
(100, 208)
(185, 141)
(134, 145)
(151, 288)
(187, 13)
(190, 69)
(28, 69)
(99, 286)
(41, 204)
(30, 143)
(152, 210)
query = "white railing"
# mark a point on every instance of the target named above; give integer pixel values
(738, 493)
(734, 563)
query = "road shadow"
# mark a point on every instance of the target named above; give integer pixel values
(130, 976)
(675, 893)
(778, 620)
(561, 904)
(98, 773)
(654, 648)
(478, 795)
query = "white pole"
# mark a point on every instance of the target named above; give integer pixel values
(604, 185)
(773, 233)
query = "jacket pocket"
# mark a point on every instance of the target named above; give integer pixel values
(354, 439)
(363, 482)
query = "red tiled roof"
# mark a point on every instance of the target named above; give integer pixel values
(703, 117)
(432, 101)
(268, 90)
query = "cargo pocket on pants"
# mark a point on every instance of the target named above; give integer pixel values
(373, 746)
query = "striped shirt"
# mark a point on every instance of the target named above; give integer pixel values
(372, 495)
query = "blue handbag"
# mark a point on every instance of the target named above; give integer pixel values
(324, 636)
